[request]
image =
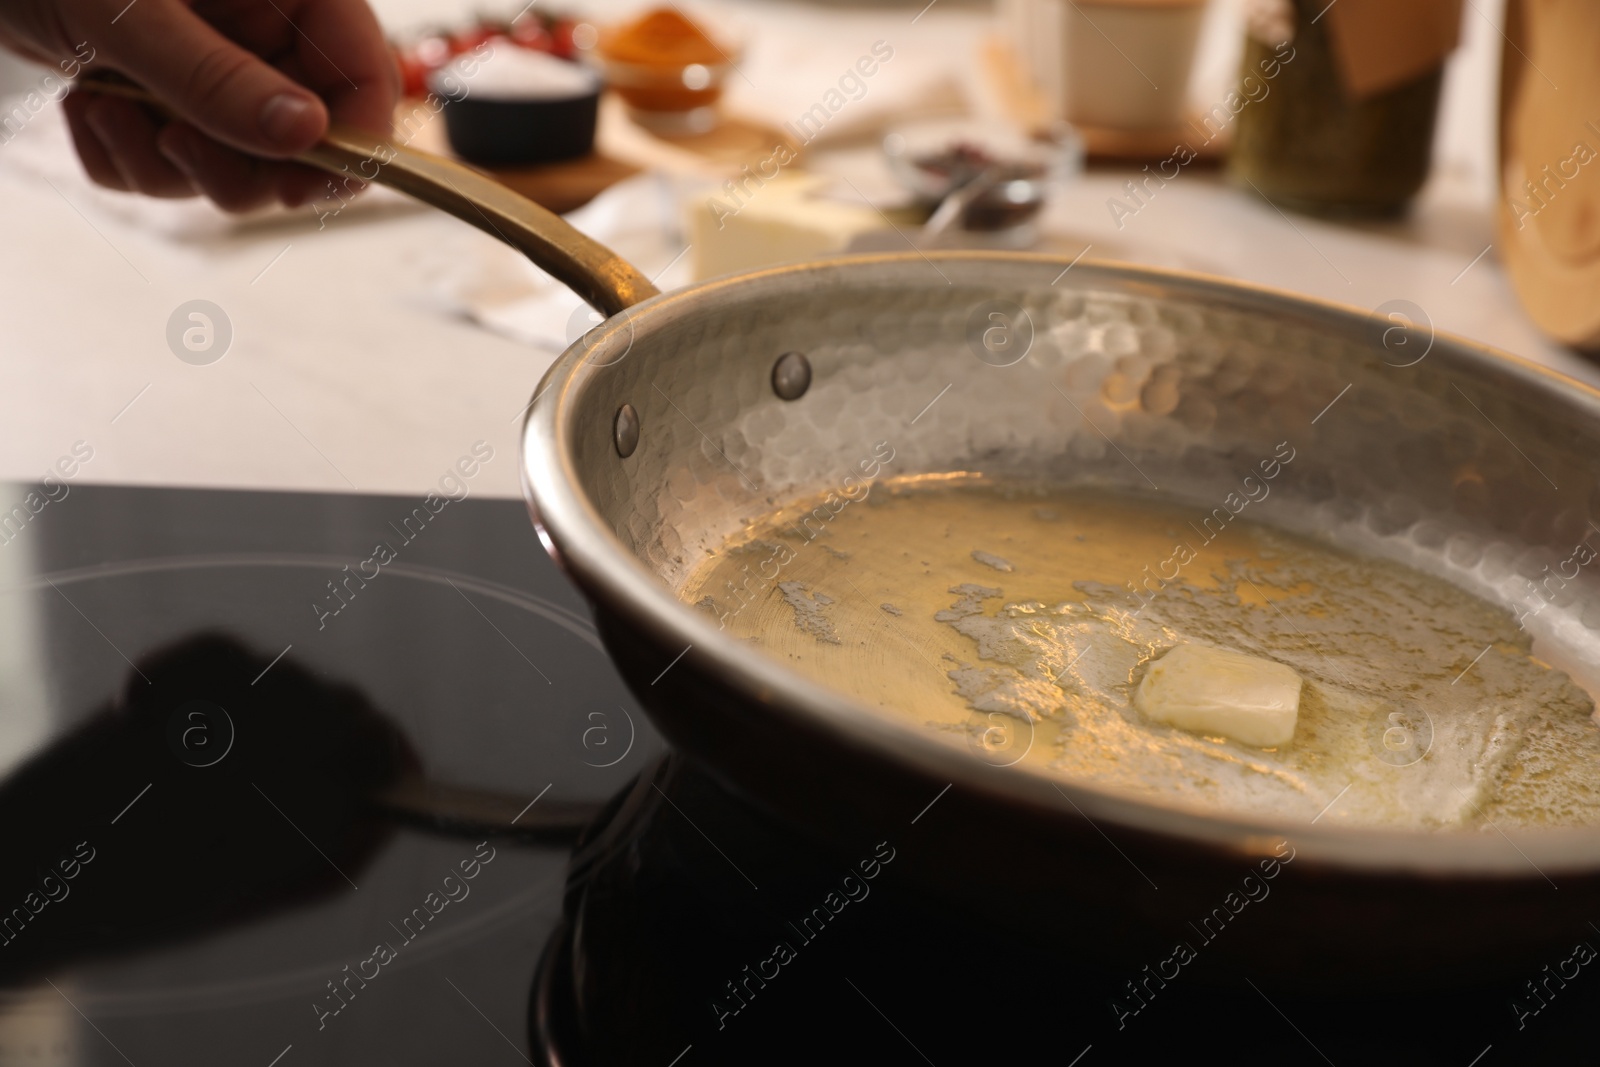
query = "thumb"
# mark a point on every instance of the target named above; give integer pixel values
(222, 89)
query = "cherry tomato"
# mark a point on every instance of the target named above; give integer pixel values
(413, 73)
(561, 35)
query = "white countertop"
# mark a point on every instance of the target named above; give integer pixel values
(349, 365)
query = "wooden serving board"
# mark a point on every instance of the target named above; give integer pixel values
(622, 149)
(1549, 235)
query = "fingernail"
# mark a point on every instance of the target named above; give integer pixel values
(289, 120)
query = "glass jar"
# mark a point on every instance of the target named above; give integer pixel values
(1308, 145)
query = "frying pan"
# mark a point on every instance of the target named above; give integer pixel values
(684, 417)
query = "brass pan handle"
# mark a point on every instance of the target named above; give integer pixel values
(606, 281)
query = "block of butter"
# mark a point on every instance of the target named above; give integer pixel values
(782, 220)
(1213, 691)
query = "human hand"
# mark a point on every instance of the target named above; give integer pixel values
(251, 82)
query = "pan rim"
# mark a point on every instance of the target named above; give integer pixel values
(573, 531)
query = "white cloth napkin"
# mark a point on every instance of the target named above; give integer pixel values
(505, 293)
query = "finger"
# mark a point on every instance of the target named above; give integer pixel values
(91, 152)
(222, 89)
(341, 52)
(300, 185)
(130, 139)
(233, 181)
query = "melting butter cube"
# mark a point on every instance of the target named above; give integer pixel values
(1213, 691)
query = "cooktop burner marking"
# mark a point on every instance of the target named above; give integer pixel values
(99, 631)
(576, 624)
(501, 632)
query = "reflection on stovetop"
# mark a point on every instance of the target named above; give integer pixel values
(241, 827)
(697, 927)
(171, 775)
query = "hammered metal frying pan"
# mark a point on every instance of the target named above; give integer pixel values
(671, 425)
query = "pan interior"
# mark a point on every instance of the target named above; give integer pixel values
(1024, 621)
(1408, 449)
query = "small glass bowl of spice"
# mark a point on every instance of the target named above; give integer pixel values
(979, 178)
(667, 70)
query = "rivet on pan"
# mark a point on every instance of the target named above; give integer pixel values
(791, 376)
(626, 431)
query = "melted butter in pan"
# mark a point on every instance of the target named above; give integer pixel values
(1020, 623)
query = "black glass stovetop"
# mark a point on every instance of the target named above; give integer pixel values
(292, 779)
(270, 792)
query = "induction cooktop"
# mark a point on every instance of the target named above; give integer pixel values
(288, 778)
(293, 779)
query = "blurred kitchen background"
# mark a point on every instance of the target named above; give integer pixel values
(1350, 150)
